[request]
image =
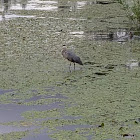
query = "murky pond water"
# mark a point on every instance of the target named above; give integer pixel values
(41, 97)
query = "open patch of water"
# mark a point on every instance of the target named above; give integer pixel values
(36, 5)
(13, 16)
(35, 98)
(71, 5)
(28, 5)
(9, 129)
(2, 91)
(81, 4)
(43, 135)
(79, 34)
(71, 117)
(72, 127)
(101, 2)
(133, 64)
(118, 35)
(12, 112)
(42, 5)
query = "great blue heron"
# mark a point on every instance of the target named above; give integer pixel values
(71, 56)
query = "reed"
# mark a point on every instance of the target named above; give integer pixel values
(132, 8)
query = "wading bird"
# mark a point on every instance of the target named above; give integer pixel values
(71, 56)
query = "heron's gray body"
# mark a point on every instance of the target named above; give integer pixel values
(71, 56)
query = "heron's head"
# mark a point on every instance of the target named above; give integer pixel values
(64, 48)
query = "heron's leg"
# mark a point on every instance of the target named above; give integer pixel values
(70, 65)
(74, 66)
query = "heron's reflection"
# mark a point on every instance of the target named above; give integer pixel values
(6, 4)
(69, 5)
(24, 3)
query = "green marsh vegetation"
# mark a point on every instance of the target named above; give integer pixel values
(132, 8)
